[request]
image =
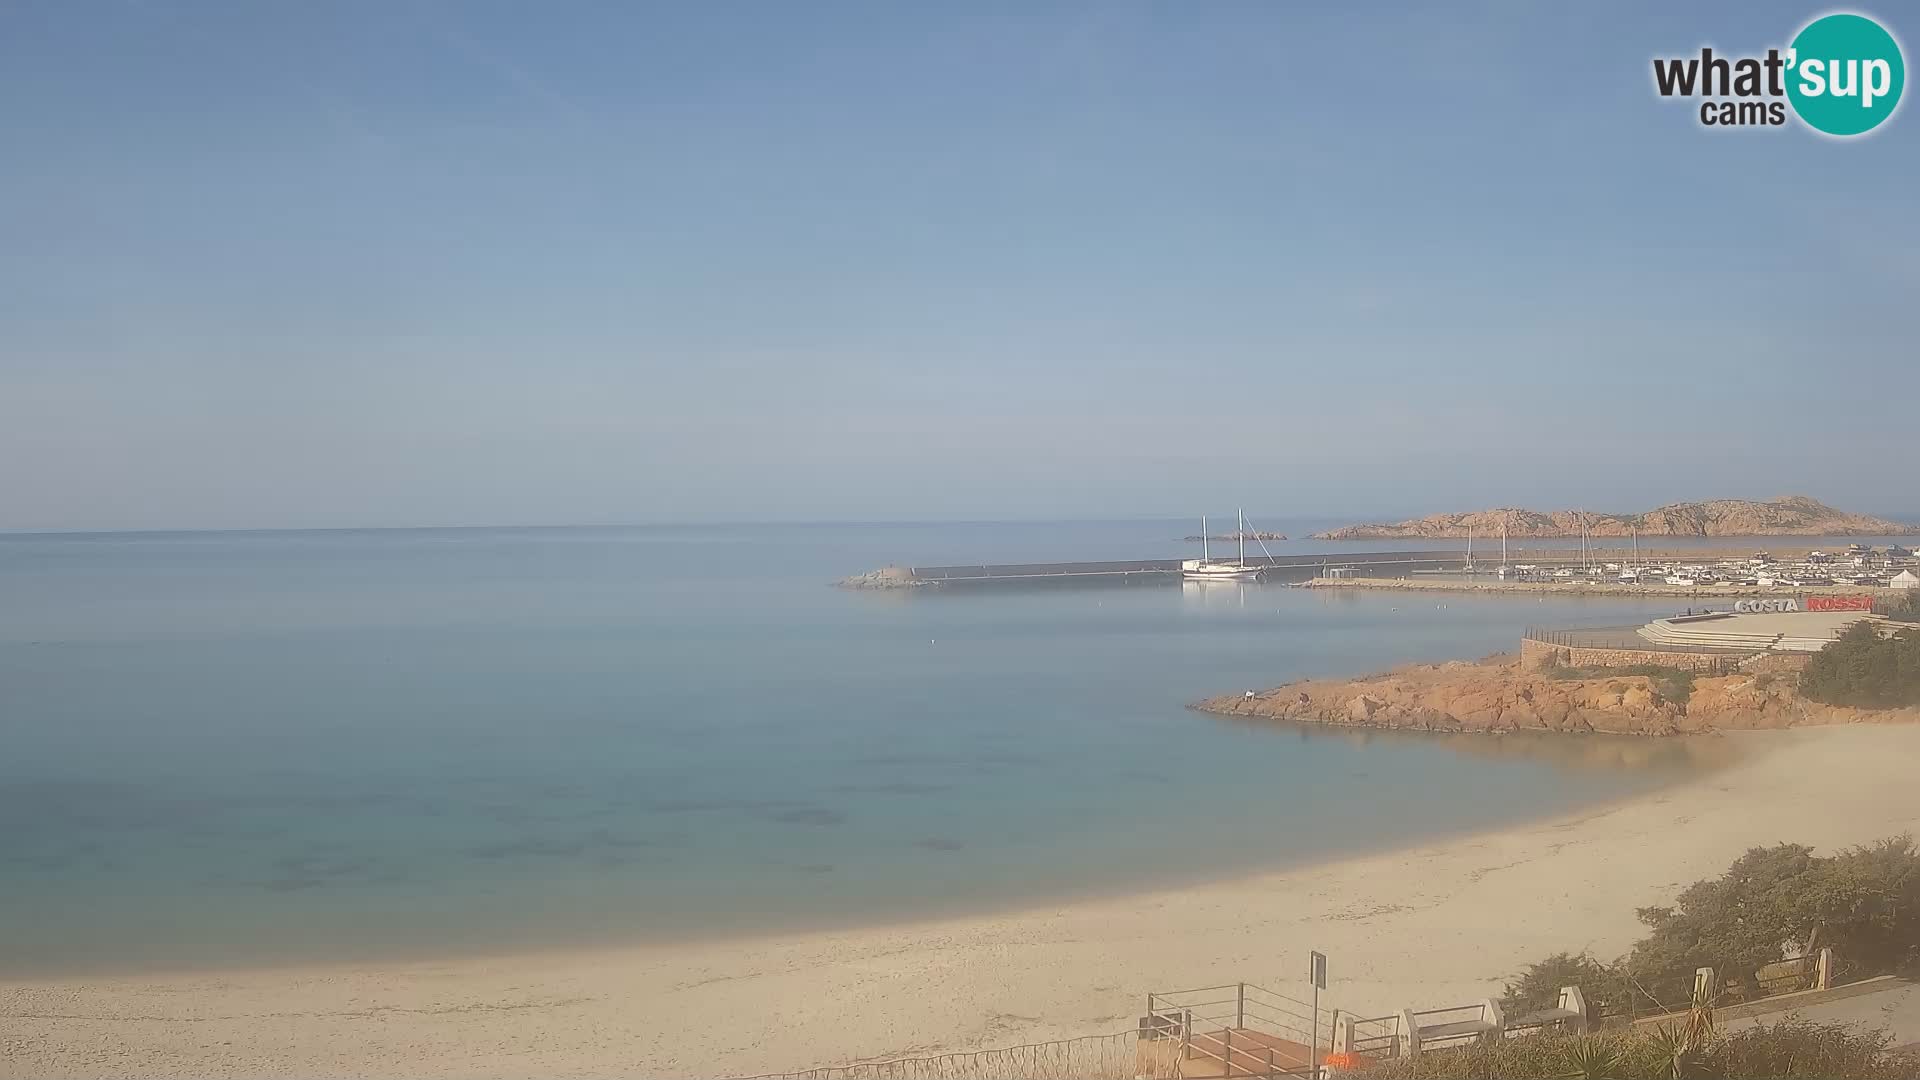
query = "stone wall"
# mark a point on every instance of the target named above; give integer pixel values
(1534, 653)
(1776, 662)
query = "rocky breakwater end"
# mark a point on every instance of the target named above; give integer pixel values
(887, 577)
(1497, 696)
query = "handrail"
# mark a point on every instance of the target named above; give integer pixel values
(1453, 1009)
(1198, 990)
(1273, 1030)
(1275, 1010)
(1264, 1060)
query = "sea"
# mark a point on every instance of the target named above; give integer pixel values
(225, 749)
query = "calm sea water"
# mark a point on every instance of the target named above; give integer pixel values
(228, 748)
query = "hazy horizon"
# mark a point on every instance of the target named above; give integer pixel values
(366, 265)
(1255, 519)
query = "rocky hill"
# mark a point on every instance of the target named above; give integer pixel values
(1792, 515)
(1497, 695)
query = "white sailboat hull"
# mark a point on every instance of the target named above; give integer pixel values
(1212, 571)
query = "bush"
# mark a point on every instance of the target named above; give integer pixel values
(1864, 903)
(1792, 1048)
(1538, 987)
(1906, 608)
(1864, 669)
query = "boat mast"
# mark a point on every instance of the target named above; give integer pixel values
(1242, 531)
(1206, 553)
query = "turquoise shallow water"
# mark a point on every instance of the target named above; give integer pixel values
(256, 747)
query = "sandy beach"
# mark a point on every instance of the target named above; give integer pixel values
(1438, 924)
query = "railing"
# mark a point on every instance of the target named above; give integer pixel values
(1440, 1027)
(1097, 1057)
(1378, 1037)
(1248, 1030)
(1612, 637)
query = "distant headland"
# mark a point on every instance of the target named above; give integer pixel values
(1792, 515)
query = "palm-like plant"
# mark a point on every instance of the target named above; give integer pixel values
(1592, 1059)
(1677, 1049)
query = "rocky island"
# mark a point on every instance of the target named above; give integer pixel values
(1792, 515)
(1498, 695)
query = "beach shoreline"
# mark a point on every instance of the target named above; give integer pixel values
(1437, 923)
(1706, 758)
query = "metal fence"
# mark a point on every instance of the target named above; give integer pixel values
(1239, 1030)
(1121, 1056)
(1616, 637)
(1378, 1037)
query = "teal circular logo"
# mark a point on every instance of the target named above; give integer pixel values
(1845, 74)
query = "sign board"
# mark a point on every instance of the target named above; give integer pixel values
(1839, 603)
(1317, 962)
(1813, 603)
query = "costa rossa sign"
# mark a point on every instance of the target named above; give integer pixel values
(1813, 603)
(1839, 603)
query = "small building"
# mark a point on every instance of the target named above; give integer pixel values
(1905, 579)
(1895, 551)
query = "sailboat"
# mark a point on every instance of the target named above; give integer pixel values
(1205, 569)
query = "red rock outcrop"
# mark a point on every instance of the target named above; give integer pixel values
(1497, 695)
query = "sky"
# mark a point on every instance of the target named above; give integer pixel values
(273, 264)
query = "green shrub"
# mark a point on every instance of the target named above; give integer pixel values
(1538, 987)
(1862, 668)
(1906, 608)
(1792, 1048)
(1863, 902)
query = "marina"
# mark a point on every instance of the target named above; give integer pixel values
(1705, 573)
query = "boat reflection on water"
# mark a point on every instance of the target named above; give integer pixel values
(1211, 594)
(1587, 751)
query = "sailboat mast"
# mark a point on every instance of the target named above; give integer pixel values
(1206, 553)
(1242, 532)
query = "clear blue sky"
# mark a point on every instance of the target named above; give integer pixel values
(364, 263)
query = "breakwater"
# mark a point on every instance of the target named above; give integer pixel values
(1298, 566)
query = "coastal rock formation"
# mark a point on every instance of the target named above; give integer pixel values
(1497, 695)
(1792, 515)
(887, 577)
